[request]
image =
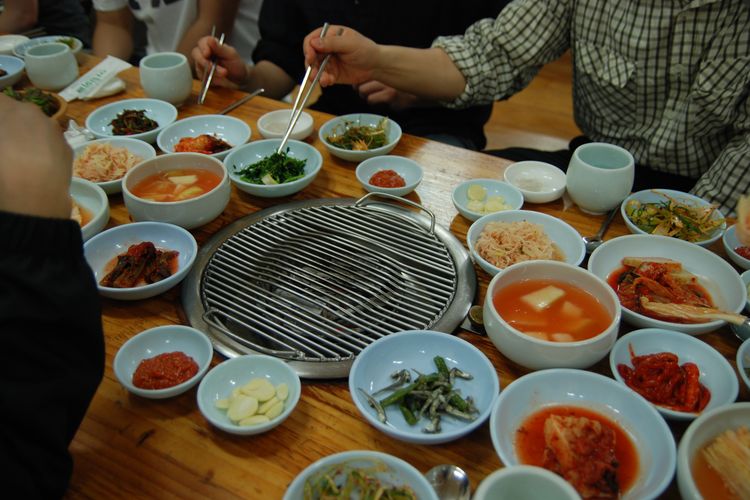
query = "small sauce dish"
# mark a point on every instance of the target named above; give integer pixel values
(539, 182)
(273, 125)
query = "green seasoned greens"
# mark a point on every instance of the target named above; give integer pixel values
(345, 481)
(360, 137)
(429, 396)
(45, 101)
(278, 168)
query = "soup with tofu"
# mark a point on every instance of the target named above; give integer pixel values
(176, 185)
(551, 310)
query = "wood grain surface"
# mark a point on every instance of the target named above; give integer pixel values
(133, 447)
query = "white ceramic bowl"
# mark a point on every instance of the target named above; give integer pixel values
(538, 354)
(731, 242)
(648, 431)
(19, 50)
(139, 148)
(714, 274)
(560, 232)
(163, 113)
(91, 198)
(415, 350)
(408, 169)
(257, 150)
(715, 371)
(189, 213)
(743, 362)
(511, 195)
(338, 125)
(159, 340)
(657, 196)
(106, 246)
(524, 482)
(9, 42)
(273, 125)
(539, 182)
(13, 67)
(236, 372)
(702, 431)
(228, 128)
(398, 472)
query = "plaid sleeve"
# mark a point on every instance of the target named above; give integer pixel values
(498, 57)
(729, 175)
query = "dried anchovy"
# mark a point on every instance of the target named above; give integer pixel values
(375, 405)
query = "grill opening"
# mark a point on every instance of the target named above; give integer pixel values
(317, 284)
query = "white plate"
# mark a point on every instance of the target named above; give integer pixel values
(227, 128)
(163, 113)
(138, 148)
(93, 199)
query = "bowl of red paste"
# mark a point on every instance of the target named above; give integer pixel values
(163, 362)
(393, 175)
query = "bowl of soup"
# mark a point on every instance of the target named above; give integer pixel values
(548, 314)
(712, 458)
(185, 189)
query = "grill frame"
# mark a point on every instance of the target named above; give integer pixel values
(194, 294)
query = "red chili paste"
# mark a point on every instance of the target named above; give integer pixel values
(743, 252)
(165, 370)
(387, 179)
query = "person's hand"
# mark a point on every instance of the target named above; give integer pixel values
(376, 93)
(353, 59)
(36, 162)
(231, 70)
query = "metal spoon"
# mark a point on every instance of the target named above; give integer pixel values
(741, 331)
(450, 482)
(593, 242)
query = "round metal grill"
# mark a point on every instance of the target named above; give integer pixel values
(316, 282)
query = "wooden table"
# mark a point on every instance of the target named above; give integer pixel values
(130, 446)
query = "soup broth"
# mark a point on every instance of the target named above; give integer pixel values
(176, 185)
(551, 310)
(533, 448)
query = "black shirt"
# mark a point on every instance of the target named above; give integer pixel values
(65, 17)
(413, 23)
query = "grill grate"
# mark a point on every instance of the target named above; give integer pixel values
(321, 283)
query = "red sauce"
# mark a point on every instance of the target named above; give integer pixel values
(387, 179)
(743, 252)
(165, 370)
(530, 443)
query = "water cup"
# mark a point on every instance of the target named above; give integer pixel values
(600, 176)
(51, 66)
(166, 76)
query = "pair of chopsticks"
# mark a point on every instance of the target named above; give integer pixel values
(209, 75)
(298, 107)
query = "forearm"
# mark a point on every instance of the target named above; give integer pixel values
(113, 39)
(426, 73)
(276, 82)
(211, 14)
(18, 15)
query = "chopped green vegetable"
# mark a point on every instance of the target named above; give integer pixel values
(278, 168)
(360, 137)
(67, 41)
(671, 217)
(45, 101)
(345, 481)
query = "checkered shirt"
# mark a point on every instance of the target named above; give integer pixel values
(666, 79)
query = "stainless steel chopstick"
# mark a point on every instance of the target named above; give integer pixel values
(240, 102)
(298, 107)
(210, 75)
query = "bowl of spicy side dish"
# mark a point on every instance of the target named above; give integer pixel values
(736, 251)
(594, 432)
(360, 136)
(668, 283)
(394, 175)
(164, 361)
(680, 375)
(141, 119)
(140, 260)
(665, 212)
(213, 135)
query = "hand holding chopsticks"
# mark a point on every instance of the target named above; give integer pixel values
(298, 106)
(208, 76)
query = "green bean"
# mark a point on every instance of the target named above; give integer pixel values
(458, 402)
(410, 418)
(441, 366)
